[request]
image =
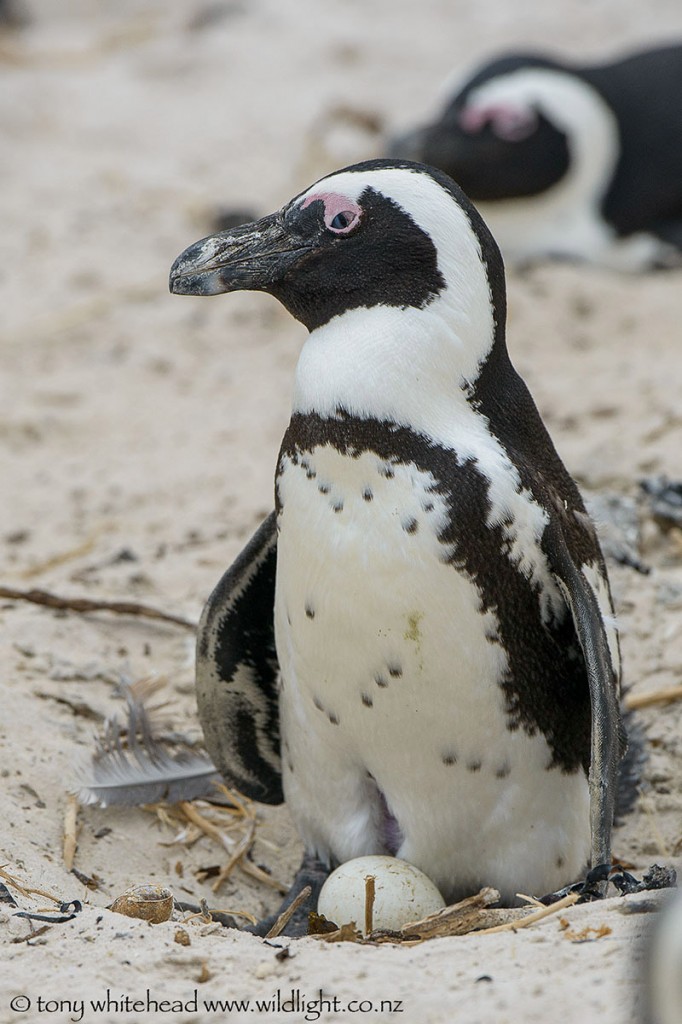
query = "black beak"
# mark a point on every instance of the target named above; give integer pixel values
(442, 145)
(252, 257)
(409, 146)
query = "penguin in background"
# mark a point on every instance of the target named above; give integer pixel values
(564, 160)
(417, 649)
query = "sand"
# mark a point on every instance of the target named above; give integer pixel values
(138, 436)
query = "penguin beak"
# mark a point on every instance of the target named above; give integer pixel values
(439, 146)
(409, 146)
(251, 257)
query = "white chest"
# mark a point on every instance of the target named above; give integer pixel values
(391, 700)
(370, 615)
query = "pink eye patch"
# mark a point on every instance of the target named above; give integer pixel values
(507, 122)
(341, 214)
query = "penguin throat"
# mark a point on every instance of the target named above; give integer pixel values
(402, 365)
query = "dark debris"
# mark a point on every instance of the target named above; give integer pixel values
(665, 500)
(6, 896)
(60, 917)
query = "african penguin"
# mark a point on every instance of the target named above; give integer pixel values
(416, 650)
(575, 161)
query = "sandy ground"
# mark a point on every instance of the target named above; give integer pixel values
(138, 436)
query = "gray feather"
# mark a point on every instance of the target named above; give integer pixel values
(142, 771)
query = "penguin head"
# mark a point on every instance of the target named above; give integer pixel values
(384, 233)
(516, 128)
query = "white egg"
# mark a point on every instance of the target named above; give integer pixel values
(402, 893)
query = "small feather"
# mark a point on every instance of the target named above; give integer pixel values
(143, 771)
(116, 778)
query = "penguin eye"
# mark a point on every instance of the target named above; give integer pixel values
(343, 222)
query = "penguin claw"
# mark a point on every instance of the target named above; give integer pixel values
(591, 887)
(594, 885)
(656, 877)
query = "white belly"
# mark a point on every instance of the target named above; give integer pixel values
(391, 695)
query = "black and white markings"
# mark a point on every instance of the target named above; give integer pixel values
(436, 705)
(522, 574)
(565, 160)
(413, 667)
(410, 524)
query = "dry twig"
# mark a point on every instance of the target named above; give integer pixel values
(457, 919)
(529, 919)
(242, 848)
(370, 890)
(207, 827)
(286, 915)
(249, 868)
(64, 556)
(33, 934)
(207, 916)
(532, 900)
(27, 890)
(634, 701)
(85, 605)
(246, 817)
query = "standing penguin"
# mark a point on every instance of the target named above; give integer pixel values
(416, 648)
(580, 162)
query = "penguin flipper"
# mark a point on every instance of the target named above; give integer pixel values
(237, 671)
(608, 737)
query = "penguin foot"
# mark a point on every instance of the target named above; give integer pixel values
(656, 877)
(313, 873)
(593, 886)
